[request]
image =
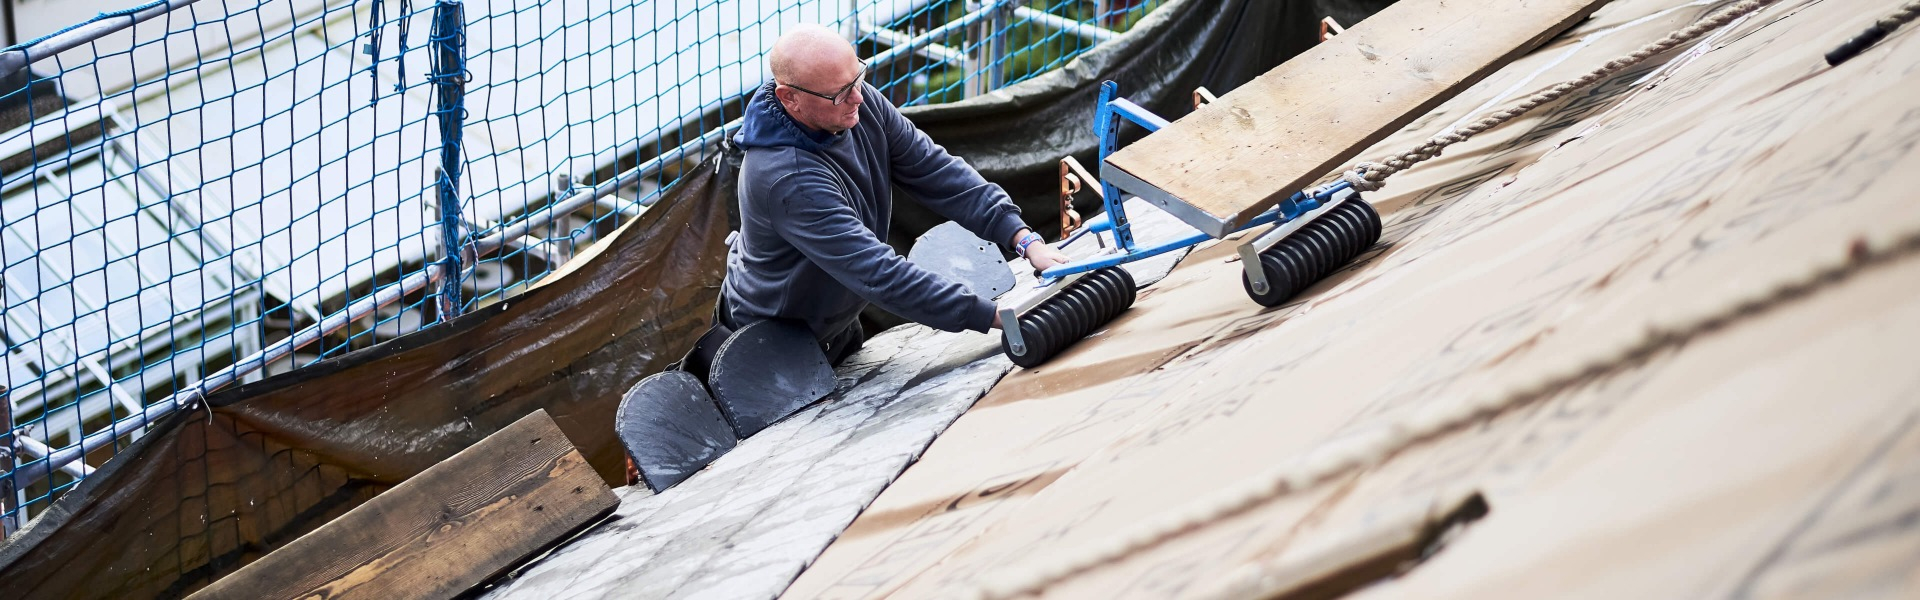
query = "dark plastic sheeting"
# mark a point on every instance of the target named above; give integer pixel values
(206, 491)
(209, 490)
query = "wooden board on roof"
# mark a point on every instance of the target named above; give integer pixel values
(440, 533)
(1230, 160)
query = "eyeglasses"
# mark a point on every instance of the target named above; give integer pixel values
(845, 91)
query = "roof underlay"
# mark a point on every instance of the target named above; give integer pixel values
(1663, 326)
(1680, 302)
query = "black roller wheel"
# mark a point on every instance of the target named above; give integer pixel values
(1315, 251)
(1072, 313)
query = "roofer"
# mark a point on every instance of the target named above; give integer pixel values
(824, 150)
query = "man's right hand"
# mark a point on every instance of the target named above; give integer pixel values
(1039, 253)
(1043, 256)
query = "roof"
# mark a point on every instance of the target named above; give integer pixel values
(1681, 296)
(1663, 326)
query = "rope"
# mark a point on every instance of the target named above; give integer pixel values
(1880, 30)
(1370, 176)
(1900, 16)
(1370, 448)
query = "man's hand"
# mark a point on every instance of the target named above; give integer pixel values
(1039, 253)
(1043, 256)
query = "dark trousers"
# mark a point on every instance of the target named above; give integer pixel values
(841, 346)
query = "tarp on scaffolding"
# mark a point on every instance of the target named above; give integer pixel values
(208, 490)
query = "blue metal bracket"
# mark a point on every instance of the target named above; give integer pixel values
(1107, 129)
(1106, 126)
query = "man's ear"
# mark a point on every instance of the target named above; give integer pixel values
(784, 94)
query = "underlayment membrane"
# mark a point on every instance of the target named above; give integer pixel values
(1689, 287)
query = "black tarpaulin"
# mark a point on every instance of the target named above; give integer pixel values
(208, 490)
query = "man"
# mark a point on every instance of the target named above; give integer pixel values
(823, 152)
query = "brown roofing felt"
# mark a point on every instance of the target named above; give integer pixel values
(1687, 291)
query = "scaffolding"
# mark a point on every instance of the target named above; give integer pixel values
(198, 193)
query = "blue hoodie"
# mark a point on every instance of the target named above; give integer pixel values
(814, 212)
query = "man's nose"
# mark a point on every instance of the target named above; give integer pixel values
(854, 96)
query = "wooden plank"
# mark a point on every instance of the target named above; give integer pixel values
(444, 531)
(1238, 156)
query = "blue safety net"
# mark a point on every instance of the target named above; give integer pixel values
(197, 194)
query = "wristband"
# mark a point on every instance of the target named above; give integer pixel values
(1020, 248)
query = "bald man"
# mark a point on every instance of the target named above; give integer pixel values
(824, 151)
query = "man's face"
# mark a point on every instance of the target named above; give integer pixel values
(811, 102)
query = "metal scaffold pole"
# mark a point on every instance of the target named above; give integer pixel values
(7, 464)
(997, 44)
(449, 80)
(988, 41)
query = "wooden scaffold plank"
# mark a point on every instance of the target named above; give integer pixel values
(1225, 163)
(444, 531)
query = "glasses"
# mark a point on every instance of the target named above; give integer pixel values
(845, 91)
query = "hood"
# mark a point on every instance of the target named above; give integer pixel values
(767, 125)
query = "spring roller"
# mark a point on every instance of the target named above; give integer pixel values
(1054, 319)
(1081, 296)
(1285, 261)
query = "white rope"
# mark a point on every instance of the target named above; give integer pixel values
(1369, 448)
(1370, 176)
(1901, 16)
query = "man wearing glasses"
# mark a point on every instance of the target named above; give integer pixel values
(824, 151)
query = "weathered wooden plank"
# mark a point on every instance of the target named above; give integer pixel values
(1238, 156)
(443, 531)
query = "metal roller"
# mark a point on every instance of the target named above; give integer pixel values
(1056, 319)
(1302, 255)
